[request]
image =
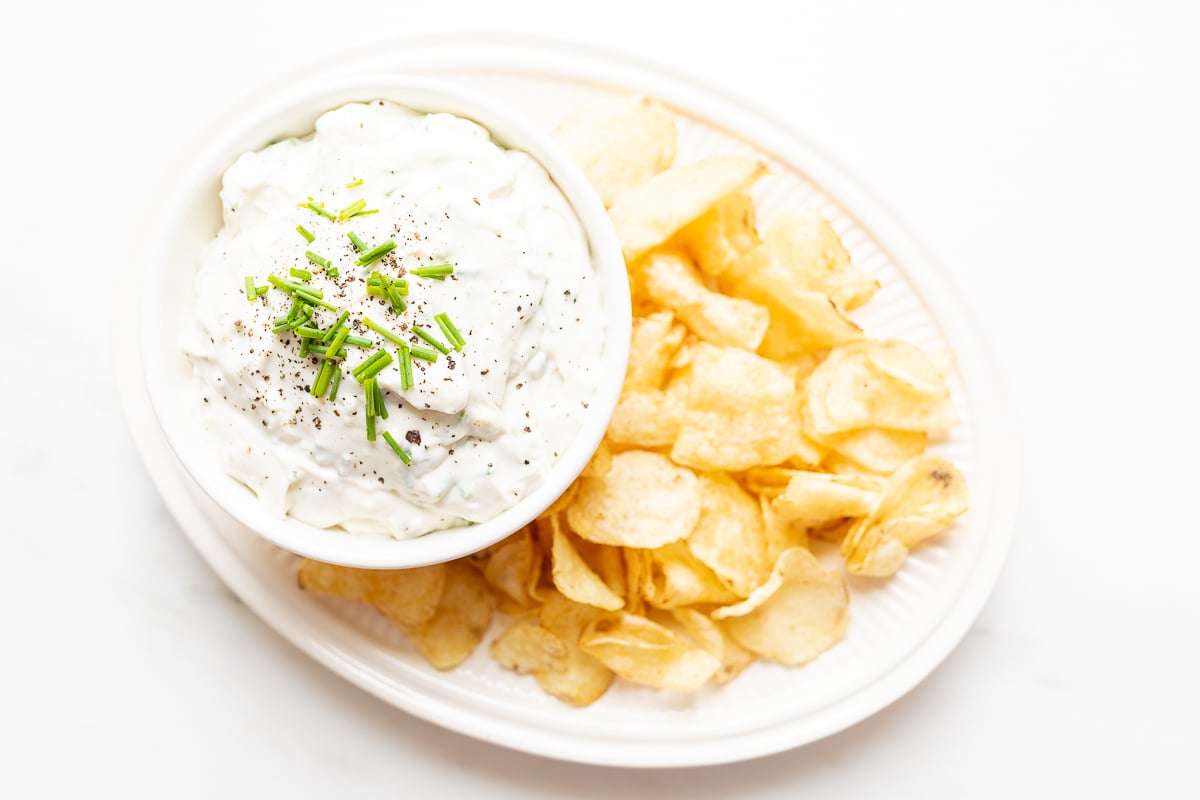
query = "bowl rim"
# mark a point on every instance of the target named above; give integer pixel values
(220, 149)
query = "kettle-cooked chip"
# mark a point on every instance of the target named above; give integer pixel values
(877, 450)
(463, 615)
(921, 499)
(781, 534)
(815, 498)
(646, 418)
(404, 596)
(672, 282)
(673, 577)
(721, 235)
(647, 653)
(741, 411)
(582, 679)
(656, 338)
(729, 538)
(799, 613)
(513, 568)
(803, 323)
(529, 648)
(712, 636)
(575, 579)
(648, 214)
(619, 140)
(643, 501)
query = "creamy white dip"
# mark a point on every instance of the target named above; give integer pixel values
(491, 420)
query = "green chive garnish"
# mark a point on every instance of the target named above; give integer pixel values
(360, 372)
(326, 350)
(369, 388)
(304, 345)
(364, 213)
(335, 382)
(332, 332)
(406, 379)
(251, 293)
(370, 428)
(338, 340)
(320, 261)
(450, 332)
(314, 298)
(305, 232)
(353, 183)
(310, 333)
(431, 339)
(261, 290)
(380, 406)
(376, 366)
(359, 341)
(434, 271)
(320, 209)
(422, 353)
(302, 274)
(352, 209)
(375, 253)
(358, 243)
(382, 331)
(398, 304)
(322, 381)
(400, 451)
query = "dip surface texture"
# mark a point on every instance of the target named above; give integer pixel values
(483, 426)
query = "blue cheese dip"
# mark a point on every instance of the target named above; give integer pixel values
(482, 426)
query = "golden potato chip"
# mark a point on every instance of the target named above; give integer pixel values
(404, 596)
(814, 498)
(600, 462)
(877, 450)
(607, 562)
(582, 679)
(672, 282)
(513, 568)
(801, 252)
(710, 635)
(801, 323)
(463, 615)
(769, 481)
(722, 235)
(648, 214)
(655, 340)
(921, 499)
(643, 501)
(780, 534)
(729, 538)
(647, 653)
(619, 141)
(576, 580)
(637, 569)
(672, 576)
(849, 391)
(741, 411)
(564, 500)
(646, 418)
(528, 648)
(799, 613)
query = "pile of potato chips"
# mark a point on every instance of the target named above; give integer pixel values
(755, 415)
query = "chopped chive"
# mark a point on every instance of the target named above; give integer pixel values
(310, 333)
(431, 339)
(370, 428)
(304, 345)
(261, 290)
(280, 283)
(302, 274)
(338, 340)
(375, 253)
(398, 304)
(369, 388)
(251, 294)
(305, 232)
(332, 271)
(406, 381)
(335, 382)
(314, 298)
(434, 271)
(320, 261)
(402, 287)
(353, 183)
(326, 350)
(376, 366)
(322, 381)
(382, 331)
(358, 243)
(311, 206)
(359, 341)
(400, 451)
(364, 213)
(451, 332)
(304, 316)
(374, 291)
(380, 406)
(422, 353)
(332, 332)
(352, 209)
(358, 371)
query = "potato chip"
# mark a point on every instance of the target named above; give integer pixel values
(646, 418)
(619, 141)
(576, 580)
(607, 562)
(741, 411)
(815, 498)
(672, 282)
(802, 323)
(801, 252)
(527, 648)
(637, 568)
(650, 213)
(780, 534)
(877, 450)
(463, 615)
(921, 499)
(404, 596)
(799, 613)
(644, 501)
(647, 653)
(711, 635)
(729, 538)
(513, 568)
(849, 391)
(600, 462)
(581, 680)
(672, 576)
(722, 235)
(655, 340)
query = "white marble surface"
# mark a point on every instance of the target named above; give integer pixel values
(1046, 152)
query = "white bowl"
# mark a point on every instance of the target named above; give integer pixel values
(191, 215)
